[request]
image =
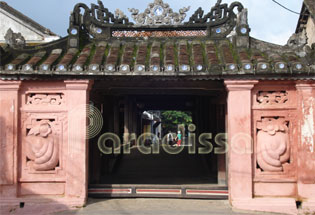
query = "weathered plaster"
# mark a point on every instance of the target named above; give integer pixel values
(307, 127)
(310, 31)
(306, 154)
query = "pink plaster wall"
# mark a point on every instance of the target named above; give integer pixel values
(306, 146)
(306, 149)
(8, 139)
(279, 117)
(43, 143)
(53, 114)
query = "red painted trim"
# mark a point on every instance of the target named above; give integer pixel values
(208, 191)
(108, 190)
(159, 190)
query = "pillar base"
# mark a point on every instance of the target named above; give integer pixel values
(40, 205)
(275, 205)
(308, 206)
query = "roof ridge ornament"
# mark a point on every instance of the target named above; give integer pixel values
(120, 15)
(220, 21)
(219, 14)
(98, 23)
(14, 40)
(98, 15)
(158, 13)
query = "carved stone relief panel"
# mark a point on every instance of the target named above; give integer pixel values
(43, 145)
(274, 97)
(46, 99)
(275, 145)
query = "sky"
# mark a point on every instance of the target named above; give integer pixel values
(267, 20)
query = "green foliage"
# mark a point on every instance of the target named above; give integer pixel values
(171, 119)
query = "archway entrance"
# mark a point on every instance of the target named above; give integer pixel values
(146, 163)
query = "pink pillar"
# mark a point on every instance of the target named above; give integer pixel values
(77, 92)
(241, 149)
(9, 106)
(239, 139)
(306, 147)
(62, 105)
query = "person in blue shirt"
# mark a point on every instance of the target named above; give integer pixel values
(179, 138)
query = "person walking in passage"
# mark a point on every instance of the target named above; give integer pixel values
(170, 138)
(179, 138)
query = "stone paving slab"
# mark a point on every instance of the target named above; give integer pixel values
(157, 206)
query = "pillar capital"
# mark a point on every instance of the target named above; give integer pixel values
(240, 85)
(304, 85)
(10, 85)
(78, 84)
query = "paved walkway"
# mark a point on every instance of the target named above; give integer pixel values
(156, 206)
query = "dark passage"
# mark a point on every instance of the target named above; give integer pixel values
(123, 112)
(162, 168)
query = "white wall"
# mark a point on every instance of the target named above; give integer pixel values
(310, 31)
(30, 34)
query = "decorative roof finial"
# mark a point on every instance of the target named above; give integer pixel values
(158, 13)
(119, 14)
(15, 40)
(218, 2)
(242, 17)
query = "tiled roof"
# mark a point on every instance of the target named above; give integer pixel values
(156, 57)
(105, 45)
